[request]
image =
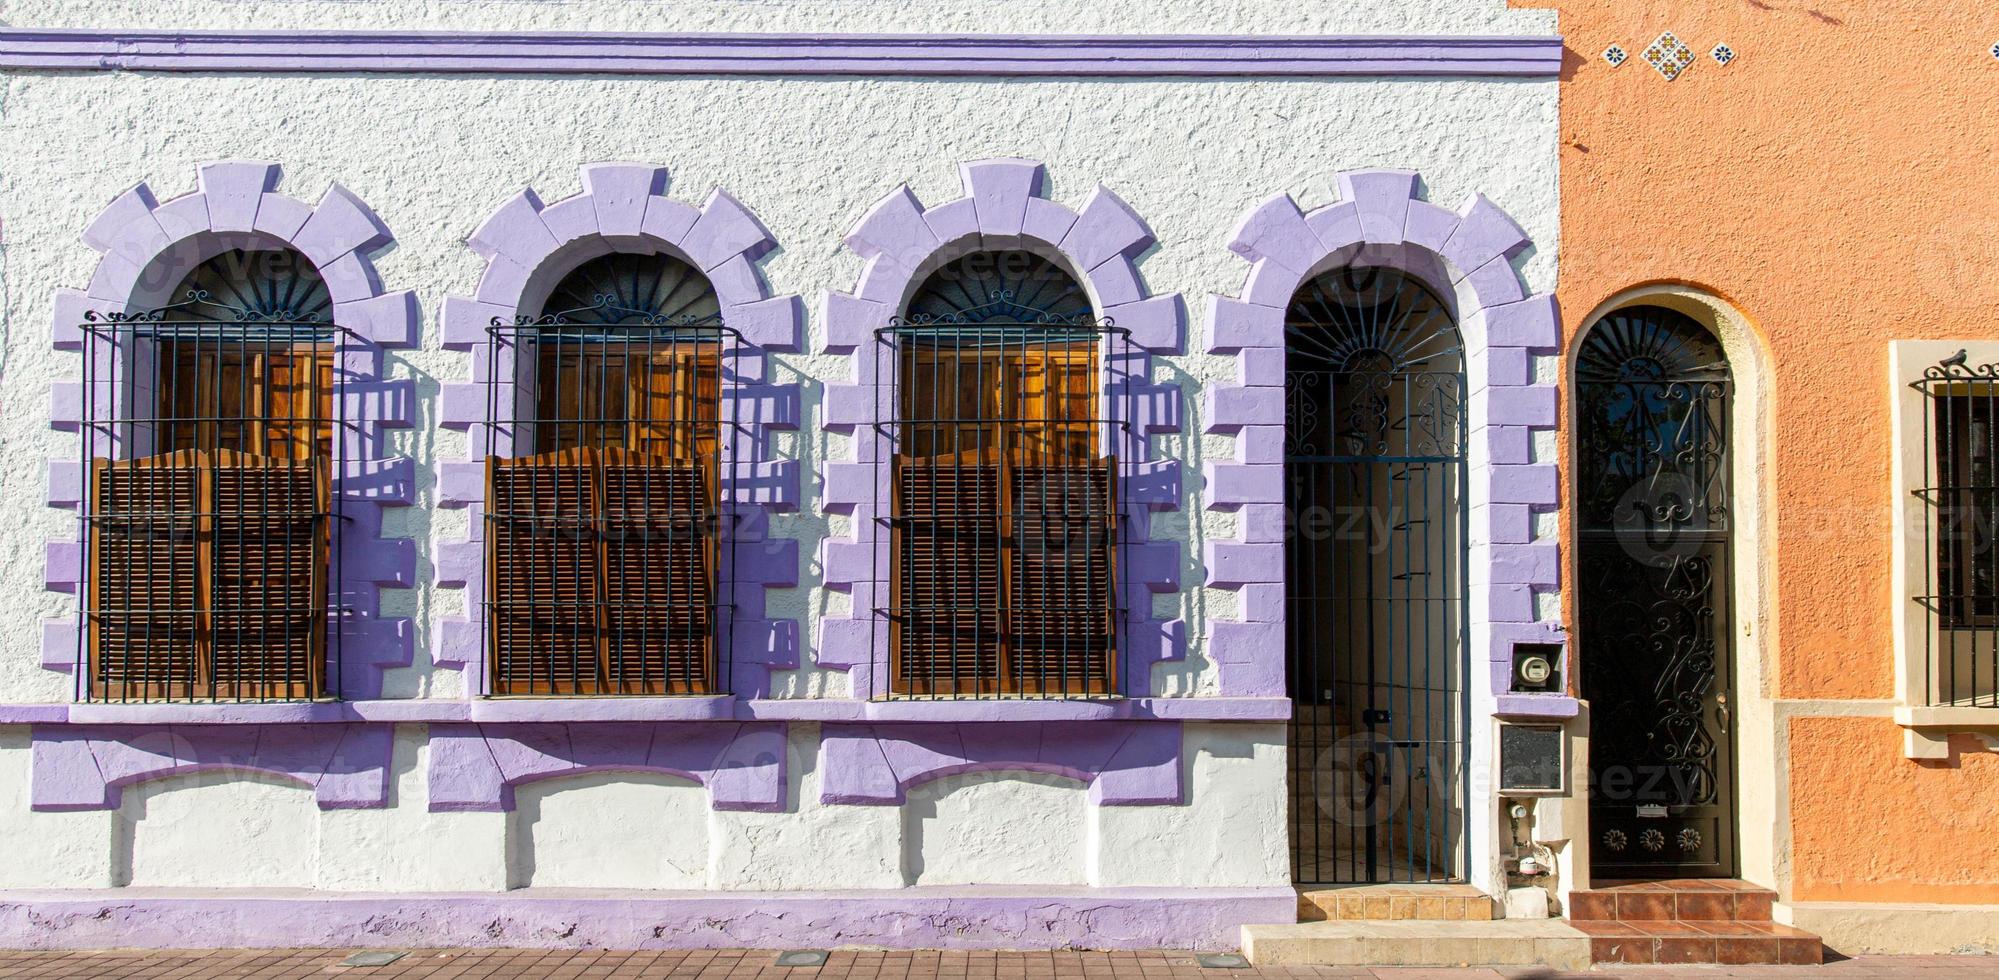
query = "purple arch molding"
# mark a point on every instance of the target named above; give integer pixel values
(1381, 219)
(528, 244)
(1125, 763)
(87, 767)
(901, 240)
(144, 248)
(478, 767)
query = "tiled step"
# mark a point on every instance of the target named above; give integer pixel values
(1696, 941)
(1678, 900)
(1391, 902)
(1374, 942)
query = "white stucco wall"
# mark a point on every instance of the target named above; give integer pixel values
(435, 155)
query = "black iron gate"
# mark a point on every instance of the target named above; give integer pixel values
(1652, 480)
(1375, 485)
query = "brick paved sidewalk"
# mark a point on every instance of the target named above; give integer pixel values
(493, 964)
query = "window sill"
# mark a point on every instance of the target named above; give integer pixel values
(647, 709)
(1927, 730)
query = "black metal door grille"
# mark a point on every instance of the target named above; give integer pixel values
(1375, 484)
(1652, 482)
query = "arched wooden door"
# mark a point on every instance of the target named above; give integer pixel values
(1375, 488)
(1654, 584)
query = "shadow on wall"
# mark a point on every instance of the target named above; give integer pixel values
(216, 830)
(609, 830)
(997, 828)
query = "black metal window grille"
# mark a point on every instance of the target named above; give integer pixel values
(209, 524)
(1375, 490)
(1961, 503)
(605, 526)
(1004, 528)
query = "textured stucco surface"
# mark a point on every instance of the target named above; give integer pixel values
(434, 156)
(841, 16)
(1833, 184)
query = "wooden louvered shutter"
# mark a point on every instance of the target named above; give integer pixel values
(947, 575)
(209, 561)
(1061, 526)
(542, 575)
(266, 542)
(147, 577)
(603, 556)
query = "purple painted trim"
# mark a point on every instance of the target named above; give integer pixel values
(1537, 706)
(908, 918)
(1381, 219)
(668, 709)
(900, 240)
(477, 767)
(88, 767)
(778, 54)
(145, 248)
(1125, 763)
(528, 244)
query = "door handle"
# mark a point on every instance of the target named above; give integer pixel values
(1721, 711)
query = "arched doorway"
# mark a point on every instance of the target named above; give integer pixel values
(1375, 479)
(1654, 616)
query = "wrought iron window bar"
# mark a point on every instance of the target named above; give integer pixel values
(1960, 591)
(1005, 424)
(211, 433)
(609, 532)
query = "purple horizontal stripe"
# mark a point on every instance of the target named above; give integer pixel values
(537, 710)
(970, 917)
(775, 54)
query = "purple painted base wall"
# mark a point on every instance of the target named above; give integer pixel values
(914, 918)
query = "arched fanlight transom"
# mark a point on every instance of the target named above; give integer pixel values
(252, 286)
(999, 288)
(632, 290)
(1650, 343)
(1370, 320)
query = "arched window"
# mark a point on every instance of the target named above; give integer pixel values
(209, 434)
(1005, 522)
(602, 530)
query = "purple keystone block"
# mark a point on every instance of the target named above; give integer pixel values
(1537, 484)
(1533, 405)
(1233, 325)
(1000, 190)
(1232, 565)
(1486, 233)
(1381, 198)
(1533, 323)
(1231, 485)
(1229, 408)
(233, 189)
(1105, 228)
(1277, 232)
(1525, 564)
(1509, 444)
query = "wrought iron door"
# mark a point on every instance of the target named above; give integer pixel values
(1375, 484)
(1652, 481)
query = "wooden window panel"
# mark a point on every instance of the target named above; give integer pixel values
(604, 554)
(209, 571)
(1003, 558)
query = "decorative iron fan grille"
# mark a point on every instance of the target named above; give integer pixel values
(609, 555)
(1960, 504)
(1003, 402)
(210, 526)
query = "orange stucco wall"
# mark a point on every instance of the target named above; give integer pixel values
(1839, 184)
